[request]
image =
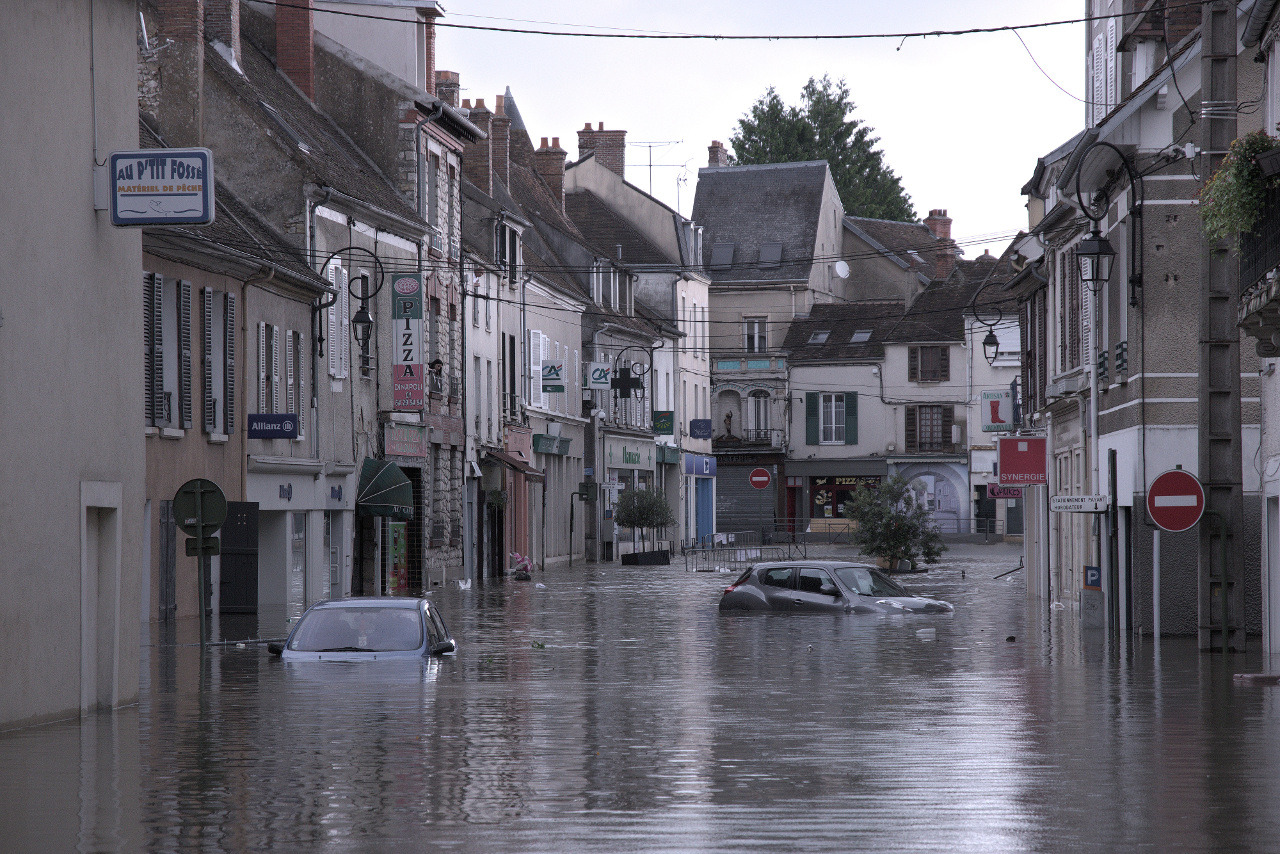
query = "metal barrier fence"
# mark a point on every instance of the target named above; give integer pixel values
(733, 559)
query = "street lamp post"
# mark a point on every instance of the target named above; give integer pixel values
(1095, 253)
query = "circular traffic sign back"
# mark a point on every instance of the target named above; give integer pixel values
(199, 507)
(1175, 500)
(760, 478)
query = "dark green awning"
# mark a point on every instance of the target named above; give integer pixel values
(384, 490)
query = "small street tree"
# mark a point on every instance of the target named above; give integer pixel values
(823, 128)
(645, 509)
(890, 524)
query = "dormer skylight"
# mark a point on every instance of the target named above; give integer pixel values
(770, 254)
(819, 337)
(861, 336)
(721, 256)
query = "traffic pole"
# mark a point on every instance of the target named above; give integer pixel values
(1155, 584)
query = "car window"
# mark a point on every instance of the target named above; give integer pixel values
(778, 576)
(358, 629)
(883, 585)
(812, 579)
(869, 582)
(439, 632)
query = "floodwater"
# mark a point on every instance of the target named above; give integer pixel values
(610, 709)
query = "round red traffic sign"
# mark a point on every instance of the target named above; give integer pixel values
(760, 478)
(1175, 500)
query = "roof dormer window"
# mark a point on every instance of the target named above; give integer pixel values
(861, 336)
(770, 254)
(721, 256)
(819, 337)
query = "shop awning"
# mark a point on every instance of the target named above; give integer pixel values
(384, 490)
(514, 463)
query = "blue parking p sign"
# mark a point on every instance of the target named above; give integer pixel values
(1092, 578)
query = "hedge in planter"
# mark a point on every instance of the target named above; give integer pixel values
(645, 509)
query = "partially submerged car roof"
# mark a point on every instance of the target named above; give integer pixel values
(374, 602)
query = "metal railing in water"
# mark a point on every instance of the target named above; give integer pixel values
(731, 559)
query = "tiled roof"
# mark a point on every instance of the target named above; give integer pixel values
(750, 206)
(606, 231)
(326, 155)
(236, 231)
(911, 242)
(875, 319)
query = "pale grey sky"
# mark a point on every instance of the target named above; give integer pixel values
(961, 119)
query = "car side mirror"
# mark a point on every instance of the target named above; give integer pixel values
(443, 647)
(275, 647)
(829, 589)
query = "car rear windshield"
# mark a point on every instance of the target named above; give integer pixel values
(867, 582)
(358, 630)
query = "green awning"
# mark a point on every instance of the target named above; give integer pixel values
(384, 490)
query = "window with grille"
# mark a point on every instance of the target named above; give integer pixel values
(928, 428)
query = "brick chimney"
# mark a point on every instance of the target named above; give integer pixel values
(501, 134)
(940, 224)
(717, 154)
(477, 157)
(222, 25)
(448, 87)
(548, 160)
(610, 147)
(295, 44)
(180, 109)
(429, 51)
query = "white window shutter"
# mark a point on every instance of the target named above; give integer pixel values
(290, 402)
(335, 343)
(344, 324)
(1113, 79)
(300, 387)
(229, 373)
(275, 368)
(1099, 81)
(544, 401)
(209, 400)
(262, 366)
(535, 367)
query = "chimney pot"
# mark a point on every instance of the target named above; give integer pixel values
(295, 44)
(717, 155)
(601, 126)
(499, 105)
(555, 142)
(544, 144)
(466, 103)
(480, 103)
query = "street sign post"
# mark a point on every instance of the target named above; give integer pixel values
(1175, 500)
(1078, 503)
(200, 508)
(760, 478)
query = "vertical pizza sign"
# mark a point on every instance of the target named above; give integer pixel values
(407, 387)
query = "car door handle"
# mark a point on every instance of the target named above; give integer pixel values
(798, 601)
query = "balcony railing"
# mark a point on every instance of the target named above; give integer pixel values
(1260, 251)
(751, 437)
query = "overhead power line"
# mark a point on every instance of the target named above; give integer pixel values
(662, 36)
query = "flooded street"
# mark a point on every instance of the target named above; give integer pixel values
(615, 709)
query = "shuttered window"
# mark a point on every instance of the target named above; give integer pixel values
(217, 361)
(153, 338)
(929, 364)
(229, 369)
(274, 334)
(185, 404)
(831, 419)
(262, 367)
(208, 362)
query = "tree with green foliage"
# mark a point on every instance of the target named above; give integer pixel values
(892, 525)
(643, 509)
(822, 128)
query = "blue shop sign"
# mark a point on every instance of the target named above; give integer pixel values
(700, 428)
(273, 426)
(700, 465)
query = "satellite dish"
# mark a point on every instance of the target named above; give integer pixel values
(842, 269)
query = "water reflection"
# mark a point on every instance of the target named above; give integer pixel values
(618, 710)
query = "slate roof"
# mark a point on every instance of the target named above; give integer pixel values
(936, 315)
(328, 156)
(912, 243)
(606, 231)
(750, 206)
(237, 234)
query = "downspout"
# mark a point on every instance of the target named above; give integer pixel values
(317, 337)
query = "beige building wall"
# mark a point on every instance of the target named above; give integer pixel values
(71, 405)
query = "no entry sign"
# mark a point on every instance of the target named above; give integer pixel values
(760, 478)
(1175, 500)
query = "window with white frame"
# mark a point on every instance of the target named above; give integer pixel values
(831, 415)
(754, 338)
(758, 414)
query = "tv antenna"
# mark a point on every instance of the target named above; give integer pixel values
(651, 146)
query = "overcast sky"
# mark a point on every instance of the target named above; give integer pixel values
(961, 119)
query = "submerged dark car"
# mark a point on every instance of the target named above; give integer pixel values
(829, 586)
(368, 628)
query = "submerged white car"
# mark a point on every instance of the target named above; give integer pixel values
(368, 628)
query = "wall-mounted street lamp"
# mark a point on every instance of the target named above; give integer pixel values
(362, 322)
(1095, 253)
(991, 347)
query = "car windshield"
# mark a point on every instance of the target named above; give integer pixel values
(358, 629)
(868, 582)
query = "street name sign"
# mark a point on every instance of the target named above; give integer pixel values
(1078, 503)
(1175, 500)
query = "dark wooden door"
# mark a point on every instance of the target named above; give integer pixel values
(238, 590)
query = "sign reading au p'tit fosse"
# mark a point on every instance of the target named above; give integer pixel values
(162, 186)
